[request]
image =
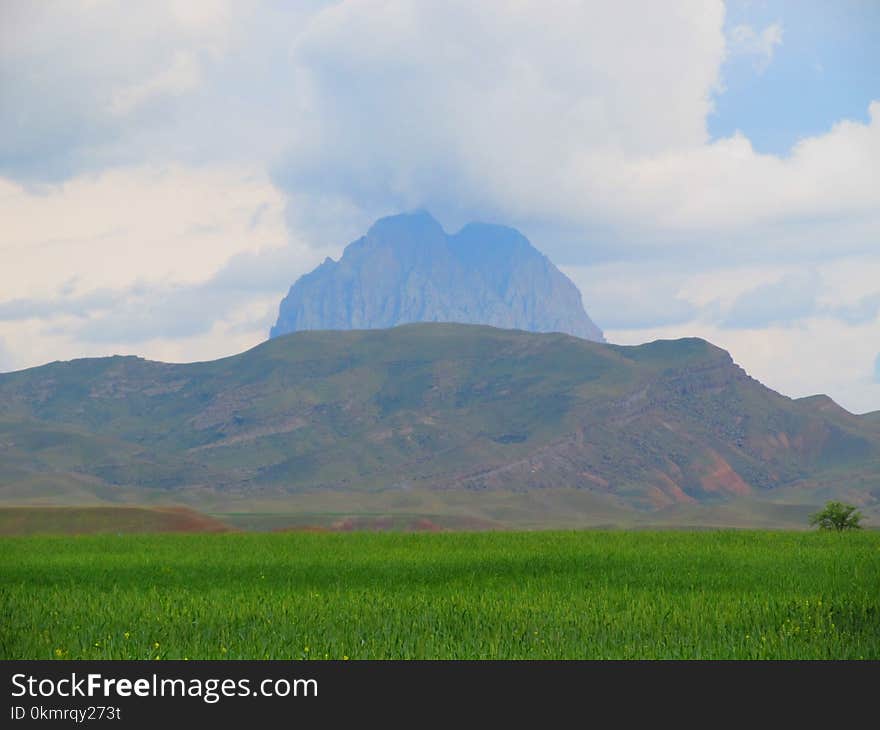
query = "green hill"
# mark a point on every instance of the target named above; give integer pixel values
(432, 418)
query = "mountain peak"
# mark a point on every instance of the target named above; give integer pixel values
(408, 269)
(478, 243)
(824, 403)
(415, 223)
(493, 232)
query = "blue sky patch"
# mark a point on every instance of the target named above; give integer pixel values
(796, 68)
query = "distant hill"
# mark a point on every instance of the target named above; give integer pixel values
(434, 417)
(407, 269)
(95, 520)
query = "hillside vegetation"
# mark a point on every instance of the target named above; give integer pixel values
(418, 417)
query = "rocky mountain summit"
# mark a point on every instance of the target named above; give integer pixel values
(408, 269)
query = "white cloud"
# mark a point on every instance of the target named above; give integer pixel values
(144, 260)
(472, 112)
(531, 110)
(203, 18)
(76, 78)
(7, 358)
(181, 76)
(640, 295)
(785, 301)
(634, 295)
(169, 224)
(743, 40)
(542, 115)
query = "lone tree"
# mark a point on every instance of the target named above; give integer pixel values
(837, 516)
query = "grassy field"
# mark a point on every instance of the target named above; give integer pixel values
(725, 594)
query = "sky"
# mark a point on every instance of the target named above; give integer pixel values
(698, 168)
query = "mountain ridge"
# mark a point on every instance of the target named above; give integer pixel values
(447, 410)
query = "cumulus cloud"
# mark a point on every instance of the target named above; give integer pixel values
(625, 296)
(652, 294)
(464, 108)
(245, 292)
(797, 296)
(743, 40)
(7, 359)
(150, 313)
(150, 223)
(527, 114)
(181, 76)
(788, 300)
(864, 310)
(145, 258)
(77, 79)
(14, 310)
(473, 114)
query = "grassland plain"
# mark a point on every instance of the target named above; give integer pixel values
(724, 594)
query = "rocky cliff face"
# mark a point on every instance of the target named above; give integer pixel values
(407, 269)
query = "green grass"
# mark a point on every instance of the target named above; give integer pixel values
(725, 594)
